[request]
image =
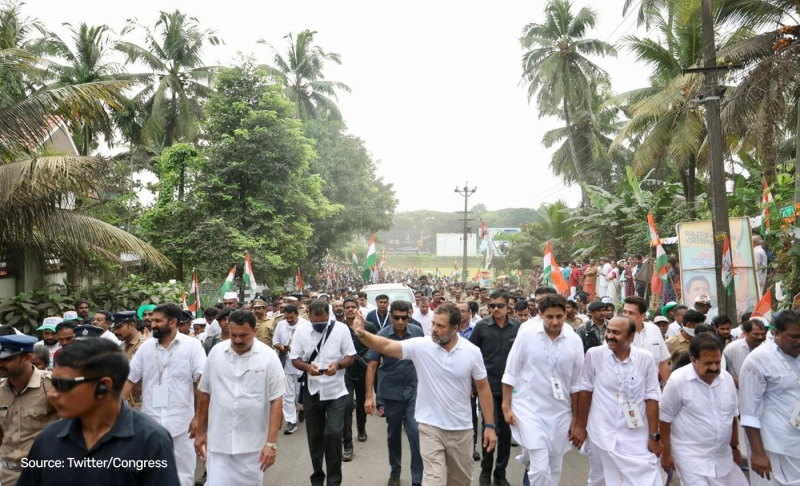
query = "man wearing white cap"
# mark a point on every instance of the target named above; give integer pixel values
(199, 328)
(49, 337)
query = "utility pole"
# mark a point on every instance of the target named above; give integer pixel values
(719, 201)
(466, 192)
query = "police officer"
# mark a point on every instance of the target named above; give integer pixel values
(124, 327)
(88, 331)
(24, 407)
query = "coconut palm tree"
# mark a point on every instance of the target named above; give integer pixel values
(301, 73)
(179, 78)
(666, 117)
(87, 61)
(557, 70)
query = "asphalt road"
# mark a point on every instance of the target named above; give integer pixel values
(370, 466)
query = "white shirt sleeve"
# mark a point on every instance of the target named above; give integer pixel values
(588, 372)
(752, 386)
(664, 352)
(652, 389)
(513, 363)
(298, 344)
(205, 380)
(410, 346)
(276, 379)
(135, 374)
(577, 365)
(198, 359)
(346, 346)
(478, 368)
(670, 403)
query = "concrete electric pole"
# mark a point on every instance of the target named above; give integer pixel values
(466, 192)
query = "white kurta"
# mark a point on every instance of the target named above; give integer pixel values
(702, 426)
(542, 420)
(769, 385)
(338, 345)
(622, 451)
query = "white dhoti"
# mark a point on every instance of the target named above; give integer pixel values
(785, 471)
(234, 469)
(628, 469)
(544, 467)
(734, 478)
(185, 458)
(289, 397)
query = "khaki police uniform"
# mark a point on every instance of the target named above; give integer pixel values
(266, 330)
(130, 350)
(23, 416)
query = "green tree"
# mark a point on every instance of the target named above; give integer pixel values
(558, 72)
(256, 191)
(179, 78)
(301, 73)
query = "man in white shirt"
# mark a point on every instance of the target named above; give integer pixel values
(169, 366)
(239, 412)
(103, 320)
(50, 338)
(648, 336)
(699, 424)
(282, 342)
(199, 329)
(424, 315)
(770, 405)
(322, 349)
(618, 407)
(366, 307)
(446, 365)
(676, 325)
(754, 332)
(540, 391)
(602, 281)
(761, 263)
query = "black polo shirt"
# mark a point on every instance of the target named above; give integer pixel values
(136, 450)
(495, 345)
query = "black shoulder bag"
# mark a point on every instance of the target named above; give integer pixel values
(304, 376)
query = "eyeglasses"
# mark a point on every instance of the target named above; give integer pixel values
(399, 318)
(496, 306)
(64, 385)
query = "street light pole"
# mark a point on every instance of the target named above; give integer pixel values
(465, 192)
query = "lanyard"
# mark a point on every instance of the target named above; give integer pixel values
(791, 369)
(169, 357)
(382, 323)
(628, 383)
(552, 358)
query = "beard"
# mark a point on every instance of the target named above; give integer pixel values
(339, 316)
(158, 333)
(444, 340)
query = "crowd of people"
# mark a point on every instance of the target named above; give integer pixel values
(471, 374)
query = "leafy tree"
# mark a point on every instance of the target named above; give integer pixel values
(256, 190)
(366, 202)
(179, 78)
(301, 73)
(558, 72)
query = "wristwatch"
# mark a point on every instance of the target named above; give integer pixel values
(272, 445)
(490, 426)
(655, 437)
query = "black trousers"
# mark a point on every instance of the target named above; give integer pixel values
(324, 424)
(503, 442)
(474, 403)
(359, 388)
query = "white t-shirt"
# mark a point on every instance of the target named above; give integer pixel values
(444, 381)
(425, 320)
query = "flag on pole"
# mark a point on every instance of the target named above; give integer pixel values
(249, 277)
(299, 280)
(477, 276)
(370, 261)
(551, 271)
(764, 307)
(727, 266)
(184, 306)
(227, 285)
(193, 300)
(355, 260)
(489, 253)
(768, 203)
(483, 229)
(661, 255)
(517, 276)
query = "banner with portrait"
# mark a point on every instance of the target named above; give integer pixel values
(698, 272)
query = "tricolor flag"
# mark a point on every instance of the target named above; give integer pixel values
(477, 276)
(370, 261)
(299, 280)
(249, 277)
(517, 276)
(227, 285)
(768, 203)
(355, 260)
(661, 256)
(727, 266)
(764, 307)
(483, 229)
(193, 300)
(489, 253)
(551, 271)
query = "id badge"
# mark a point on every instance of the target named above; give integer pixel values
(632, 416)
(794, 420)
(558, 390)
(160, 396)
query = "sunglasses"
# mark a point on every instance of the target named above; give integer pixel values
(496, 306)
(399, 318)
(64, 385)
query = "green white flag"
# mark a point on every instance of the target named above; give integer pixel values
(227, 285)
(370, 261)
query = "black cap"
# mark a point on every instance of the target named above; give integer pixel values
(118, 318)
(186, 316)
(596, 306)
(87, 331)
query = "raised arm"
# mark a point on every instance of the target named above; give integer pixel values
(376, 343)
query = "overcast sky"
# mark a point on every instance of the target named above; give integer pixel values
(436, 92)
